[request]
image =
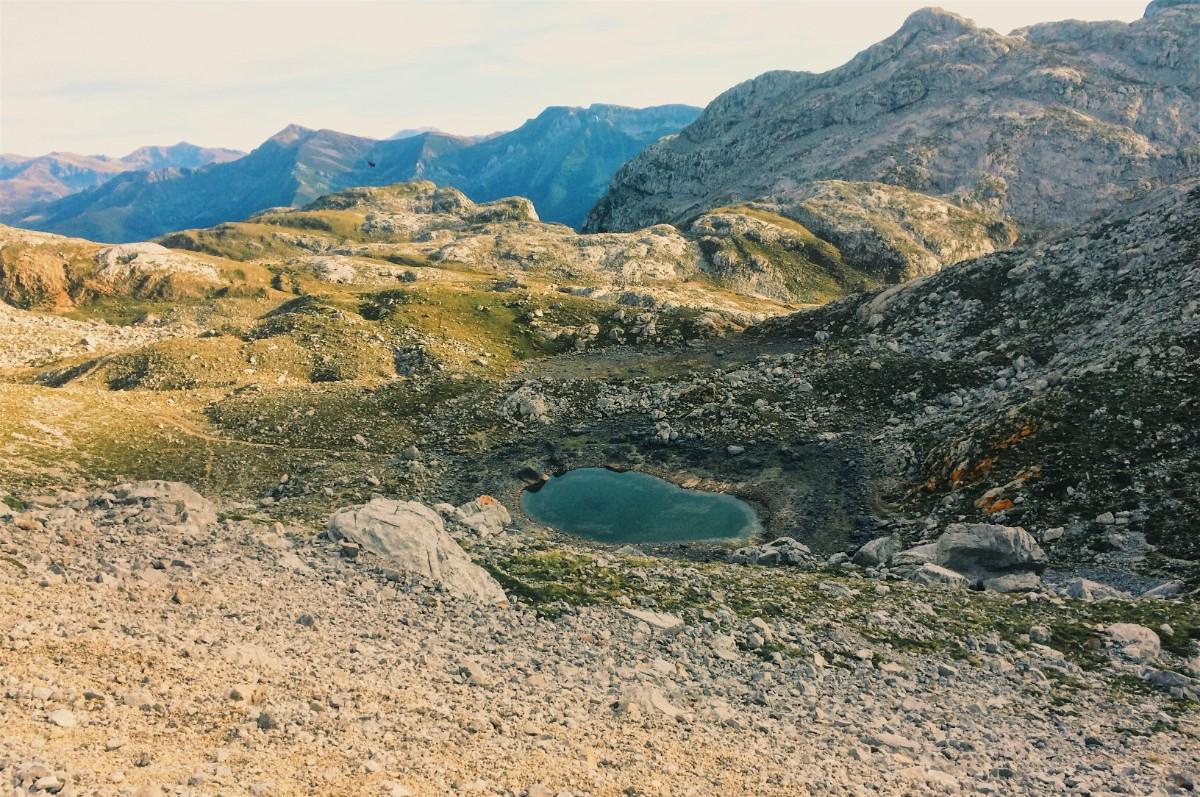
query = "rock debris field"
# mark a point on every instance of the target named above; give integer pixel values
(151, 646)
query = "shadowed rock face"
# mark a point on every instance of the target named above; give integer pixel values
(1048, 125)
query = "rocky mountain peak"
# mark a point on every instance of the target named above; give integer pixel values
(290, 134)
(1048, 126)
(1158, 6)
(937, 20)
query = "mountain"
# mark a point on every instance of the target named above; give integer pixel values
(562, 160)
(293, 167)
(1048, 125)
(27, 181)
(409, 132)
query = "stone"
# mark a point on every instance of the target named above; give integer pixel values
(645, 701)
(472, 672)
(251, 694)
(916, 556)
(659, 621)
(1132, 642)
(981, 551)
(526, 404)
(878, 551)
(1168, 589)
(724, 647)
(412, 538)
(1173, 682)
(138, 698)
(930, 574)
(891, 741)
(49, 783)
(183, 503)
(1013, 582)
(1086, 590)
(485, 515)
(782, 551)
(62, 718)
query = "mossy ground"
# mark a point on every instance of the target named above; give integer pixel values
(552, 579)
(812, 270)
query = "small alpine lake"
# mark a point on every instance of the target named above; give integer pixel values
(627, 507)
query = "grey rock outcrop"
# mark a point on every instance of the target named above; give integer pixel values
(781, 552)
(983, 552)
(412, 538)
(1048, 125)
(878, 551)
(1132, 642)
(484, 516)
(174, 503)
(931, 575)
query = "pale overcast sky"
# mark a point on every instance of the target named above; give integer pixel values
(106, 77)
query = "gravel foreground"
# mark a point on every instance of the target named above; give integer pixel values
(146, 650)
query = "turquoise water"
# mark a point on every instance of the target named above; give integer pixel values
(634, 508)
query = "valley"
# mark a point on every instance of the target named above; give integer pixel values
(790, 474)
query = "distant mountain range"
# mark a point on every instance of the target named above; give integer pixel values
(563, 160)
(1048, 125)
(27, 181)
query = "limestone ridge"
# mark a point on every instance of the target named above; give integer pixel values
(1048, 125)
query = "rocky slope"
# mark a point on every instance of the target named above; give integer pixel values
(977, 570)
(151, 646)
(563, 159)
(1050, 387)
(1047, 125)
(28, 181)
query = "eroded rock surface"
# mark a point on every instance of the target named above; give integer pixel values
(411, 537)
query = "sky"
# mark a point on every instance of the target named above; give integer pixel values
(104, 76)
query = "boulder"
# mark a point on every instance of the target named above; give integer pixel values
(1168, 589)
(983, 551)
(645, 701)
(175, 502)
(1086, 590)
(485, 516)
(878, 551)
(916, 556)
(1013, 582)
(412, 538)
(777, 552)
(931, 575)
(1132, 642)
(1176, 683)
(658, 621)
